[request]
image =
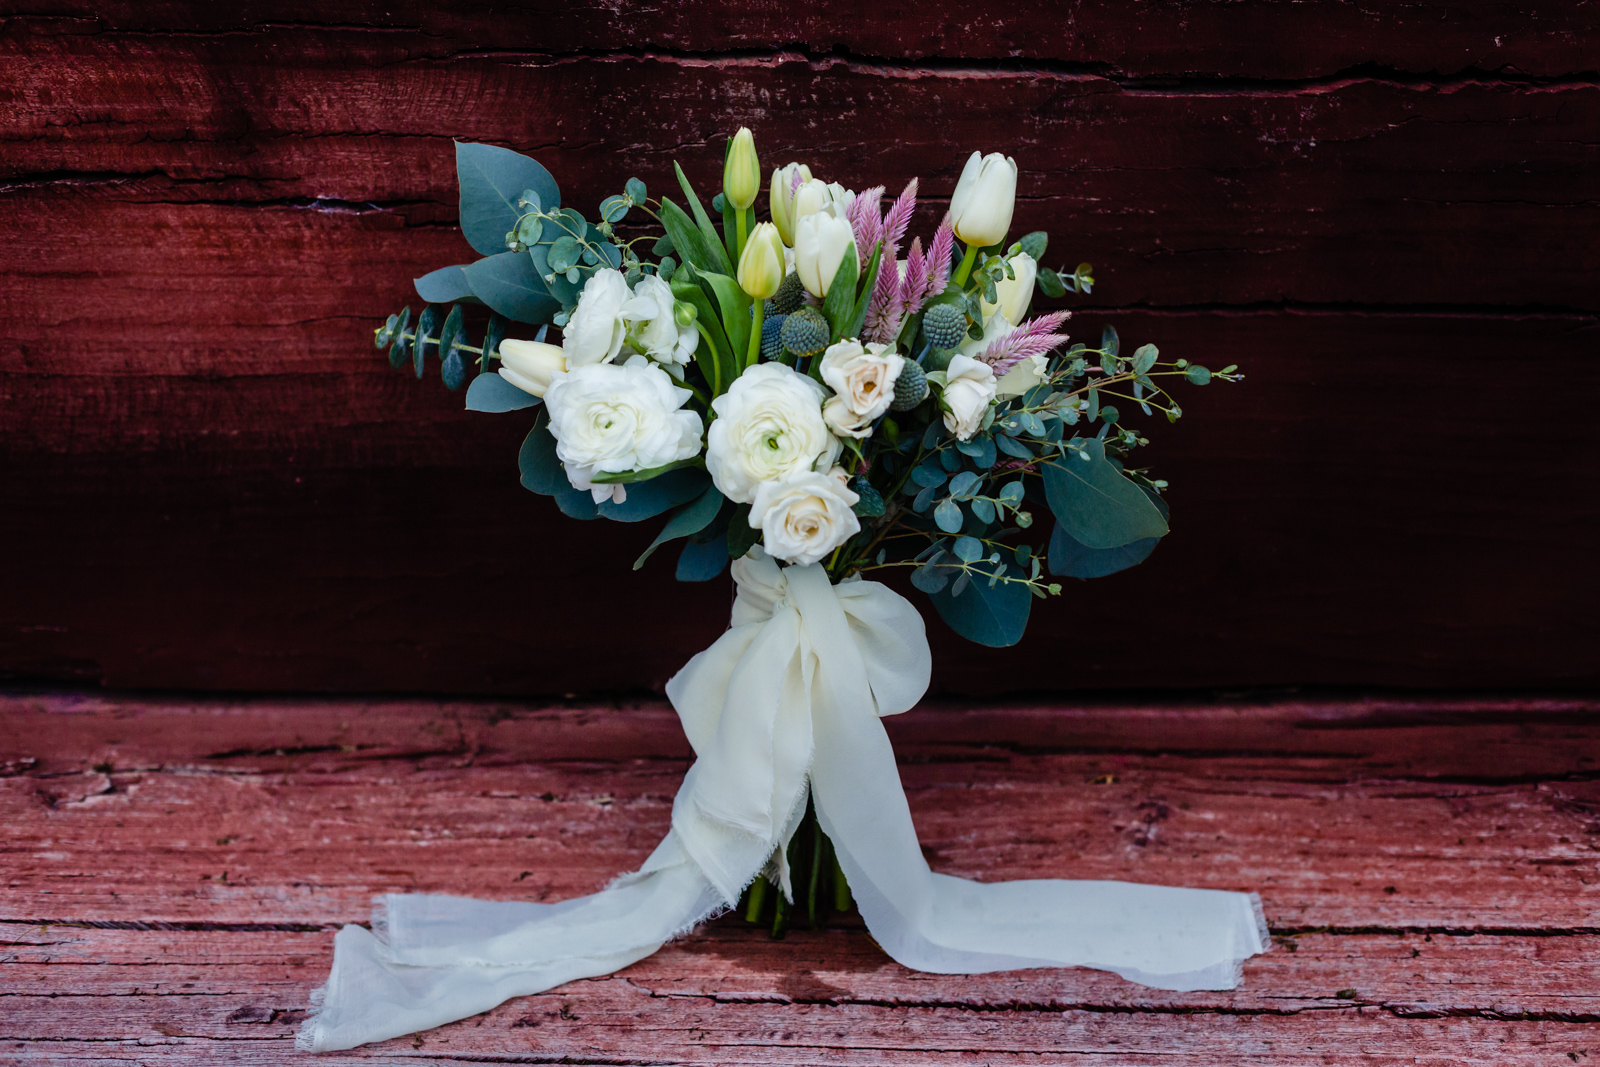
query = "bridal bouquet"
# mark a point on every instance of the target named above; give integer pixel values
(812, 391)
(815, 383)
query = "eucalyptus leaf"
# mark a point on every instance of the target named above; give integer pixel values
(1076, 560)
(947, 516)
(693, 517)
(511, 286)
(492, 393)
(702, 563)
(542, 472)
(994, 615)
(1097, 504)
(646, 500)
(1144, 357)
(492, 180)
(445, 285)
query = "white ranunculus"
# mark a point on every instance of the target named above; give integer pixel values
(769, 424)
(652, 323)
(816, 195)
(986, 195)
(804, 516)
(1015, 294)
(968, 390)
(862, 376)
(608, 418)
(821, 242)
(530, 365)
(1022, 377)
(596, 331)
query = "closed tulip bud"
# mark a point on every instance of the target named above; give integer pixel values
(741, 174)
(530, 365)
(1014, 294)
(980, 209)
(761, 265)
(782, 195)
(821, 241)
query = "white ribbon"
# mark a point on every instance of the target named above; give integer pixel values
(791, 694)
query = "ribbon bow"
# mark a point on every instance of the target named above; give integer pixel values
(790, 695)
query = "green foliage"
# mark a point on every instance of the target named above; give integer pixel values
(1095, 502)
(509, 284)
(490, 392)
(492, 180)
(689, 519)
(983, 609)
(445, 285)
(648, 498)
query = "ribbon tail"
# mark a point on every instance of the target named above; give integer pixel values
(1158, 936)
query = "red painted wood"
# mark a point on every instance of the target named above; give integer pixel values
(1426, 866)
(1255, 38)
(211, 481)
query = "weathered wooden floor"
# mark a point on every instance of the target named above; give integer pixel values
(173, 872)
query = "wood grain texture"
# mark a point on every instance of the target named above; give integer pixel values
(1428, 868)
(1141, 38)
(210, 480)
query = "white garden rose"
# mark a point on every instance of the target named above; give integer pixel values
(844, 422)
(1022, 377)
(608, 418)
(802, 517)
(652, 324)
(969, 388)
(769, 424)
(863, 376)
(596, 331)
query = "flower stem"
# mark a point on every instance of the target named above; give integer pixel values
(755, 333)
(739, 230)
(966, 266)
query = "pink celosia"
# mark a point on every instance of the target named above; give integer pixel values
(944, 243)
(1036, 337)
(865, 221)
(886, 309)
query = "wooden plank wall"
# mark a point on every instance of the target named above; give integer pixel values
(208, 479)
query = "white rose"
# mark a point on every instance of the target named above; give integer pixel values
(609, 418)
(1022, 377)
(768, 425)
(804, 516)
(1015, 294)
(652, 323)
(844, 422)
(969, 387)
(863, 377)
(596, 330)
(821, 243)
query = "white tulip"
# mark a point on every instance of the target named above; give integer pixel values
(651, 324)
(530, 365)
(816, 195)
(596, 331)
(968, 390)
(609, 418)
(986, 195)
(1014, 294)
(802, 517)
(1022, 377)
(782, 195)
(768, 425)
(821, 241)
